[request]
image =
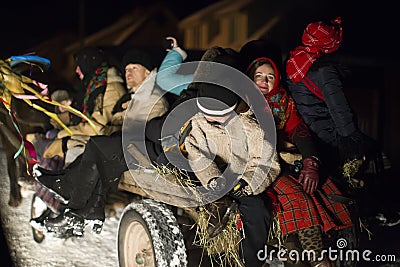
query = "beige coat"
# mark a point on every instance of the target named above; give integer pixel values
(147, 103)
(240, 144)
(101, 116)
(102, 112)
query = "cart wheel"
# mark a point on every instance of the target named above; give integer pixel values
(148, 235)
(38, 208)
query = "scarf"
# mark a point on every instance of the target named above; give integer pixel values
(281, 106)
(318, 37)
(279, 101)
(97, 84)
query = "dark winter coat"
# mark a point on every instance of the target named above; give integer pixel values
(331, 117)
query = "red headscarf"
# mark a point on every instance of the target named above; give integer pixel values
(318, 37)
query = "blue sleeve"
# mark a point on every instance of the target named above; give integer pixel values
(168, 79)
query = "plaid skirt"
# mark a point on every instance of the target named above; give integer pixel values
(298, 210)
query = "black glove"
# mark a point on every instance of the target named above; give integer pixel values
(241, 189)
(356, 146)
(118, 105)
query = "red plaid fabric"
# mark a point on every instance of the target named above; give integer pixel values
(318, 37)
(297, 210)
(55, 163)
(47, 197)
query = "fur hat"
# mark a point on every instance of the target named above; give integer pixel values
(217, 54)
(89, 59)
(141, 57)
(60, 95)
(214, 99)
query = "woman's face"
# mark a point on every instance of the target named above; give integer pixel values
(264, 77)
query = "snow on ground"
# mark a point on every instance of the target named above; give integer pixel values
(89, 250)
(100, 250)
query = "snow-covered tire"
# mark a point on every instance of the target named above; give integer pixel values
(149, 233)
(38, 207)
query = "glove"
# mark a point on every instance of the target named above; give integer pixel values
(216, 184)
(121, 104)
(309, 174)
(356, 146)
(241, 189)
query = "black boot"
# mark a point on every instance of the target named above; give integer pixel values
(38, 222)
(94, 213)
(65, 223)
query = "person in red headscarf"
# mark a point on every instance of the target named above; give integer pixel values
(300, 195)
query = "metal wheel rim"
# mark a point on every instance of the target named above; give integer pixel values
(138, 246)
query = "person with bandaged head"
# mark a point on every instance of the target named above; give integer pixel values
(227, 149)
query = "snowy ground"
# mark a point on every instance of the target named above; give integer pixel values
(100, 250)
(89, 250)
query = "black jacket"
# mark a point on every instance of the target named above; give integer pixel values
(332, 117)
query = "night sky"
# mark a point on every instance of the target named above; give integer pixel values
(371, 28)
(26, 23)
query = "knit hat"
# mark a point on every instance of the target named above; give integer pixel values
(60, 95)
(260, 48)
(141, 57)
(89, 59)
(214, 99)
(226, 56)
(321, 37)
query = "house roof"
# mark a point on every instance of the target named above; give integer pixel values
(126, 26)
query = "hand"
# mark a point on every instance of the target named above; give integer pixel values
(174, 42)
(357, 146)
(309, 175)
(241, 189)
(216, 184)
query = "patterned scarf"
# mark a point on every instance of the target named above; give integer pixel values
(281, 106)
(99, 80)
(318, 37)
(279, 101)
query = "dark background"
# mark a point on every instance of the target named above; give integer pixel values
(371, 27)
(370, 33)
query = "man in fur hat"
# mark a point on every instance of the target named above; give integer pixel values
(84, 185)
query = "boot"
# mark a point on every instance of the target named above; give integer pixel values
(219, 221)
(94, 213)
(38, 222)
(66, 222)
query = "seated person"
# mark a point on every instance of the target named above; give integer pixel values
(302, 198)
(101, 86)
(227, 150)
(84, 184)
